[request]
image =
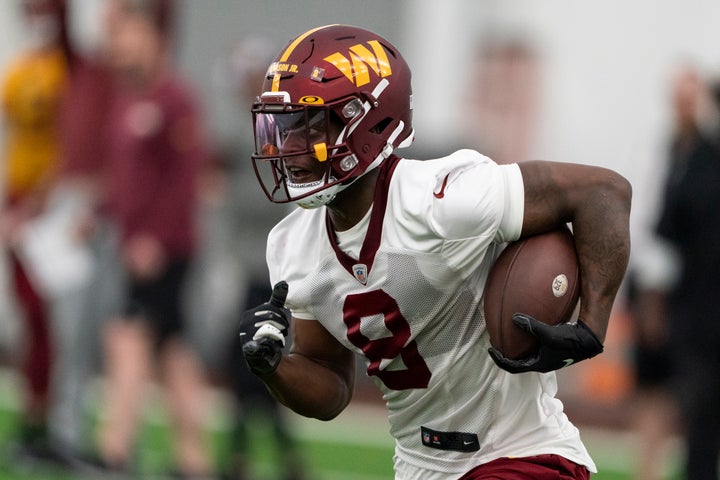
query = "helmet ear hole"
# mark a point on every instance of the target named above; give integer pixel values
(380, 127)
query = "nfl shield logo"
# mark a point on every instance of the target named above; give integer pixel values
(360, 272)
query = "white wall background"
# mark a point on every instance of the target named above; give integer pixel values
(607, 70)
(10, 41)
(10, 31)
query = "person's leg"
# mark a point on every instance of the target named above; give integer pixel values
(285, 443)
(36, 363)
(181, 370)
(70, 372)
(184, 380)
(655, 412)
(240, 386)
(655, 422)
(699, 397)
(238, 461)
(79, 318)
(127, 369)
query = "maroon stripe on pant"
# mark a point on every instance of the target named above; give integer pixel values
(38, 350)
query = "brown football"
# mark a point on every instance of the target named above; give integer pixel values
(538, 276)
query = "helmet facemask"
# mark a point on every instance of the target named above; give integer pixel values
(287, 135)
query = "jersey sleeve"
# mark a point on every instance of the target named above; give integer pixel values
(514, 207)
(285, 263)
(473, 197)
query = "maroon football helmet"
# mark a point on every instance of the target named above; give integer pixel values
(336, 102)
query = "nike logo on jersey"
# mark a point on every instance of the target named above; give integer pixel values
(457, 441)
(568, 362)
(441, 193)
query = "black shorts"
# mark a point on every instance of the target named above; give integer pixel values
(158, 301)
(653, 366)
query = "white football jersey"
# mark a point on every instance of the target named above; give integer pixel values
(403, 289)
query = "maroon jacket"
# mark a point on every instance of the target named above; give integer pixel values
(83, 118)
(155, 152)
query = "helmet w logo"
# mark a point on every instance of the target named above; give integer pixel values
(361, 60)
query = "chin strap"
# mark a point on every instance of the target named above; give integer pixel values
(328, 194)
(317, 199)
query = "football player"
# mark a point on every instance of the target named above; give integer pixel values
(387, 260)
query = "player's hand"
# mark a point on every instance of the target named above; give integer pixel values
(560, 346)
(263, 330)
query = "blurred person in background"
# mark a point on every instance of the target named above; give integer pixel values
(654, 415)
(654, 275)
(255, 404)
(32, 89)
(233, 275)
(77, 194)
(690, 221)
(155, 151)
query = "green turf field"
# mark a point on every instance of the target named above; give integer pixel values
(355, 446)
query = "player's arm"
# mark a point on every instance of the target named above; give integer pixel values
(316, 378)
(597, 203)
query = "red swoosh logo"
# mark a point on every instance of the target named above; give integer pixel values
(441, 192)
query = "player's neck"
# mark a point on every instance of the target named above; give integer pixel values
(351, 205)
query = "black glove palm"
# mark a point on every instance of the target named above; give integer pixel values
(560, 346)
(263, 330)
